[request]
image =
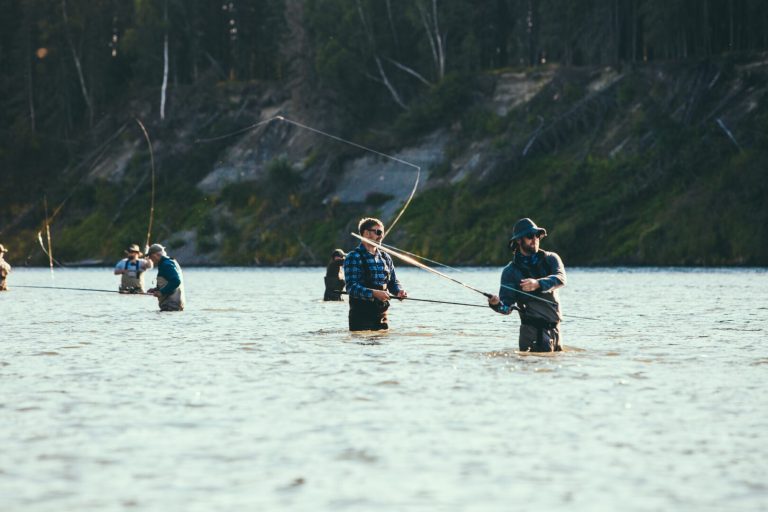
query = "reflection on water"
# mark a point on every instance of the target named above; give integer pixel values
(257, 397)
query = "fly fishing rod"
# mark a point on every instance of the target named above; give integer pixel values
(433, 301)
(388, 249)
(78, 289)
(394, 251)
(415, 263)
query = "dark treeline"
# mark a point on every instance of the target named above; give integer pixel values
(65, 64)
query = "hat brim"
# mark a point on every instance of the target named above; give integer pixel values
(539, 231)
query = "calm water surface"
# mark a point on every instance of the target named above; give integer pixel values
(257, 397)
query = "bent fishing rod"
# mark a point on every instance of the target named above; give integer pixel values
(394, 251)
(415, 263)
(389, 250)
(431, 300)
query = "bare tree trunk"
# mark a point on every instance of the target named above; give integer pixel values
(432, 28)
(532, 28)
(30, 77)
(382, 74)
(389, 85)
(76, 58)
(392, 25)
(164, 87)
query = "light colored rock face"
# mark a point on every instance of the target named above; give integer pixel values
(373, 174)
(606, 78)
(248, 159)
(112, 167)
(512, 89)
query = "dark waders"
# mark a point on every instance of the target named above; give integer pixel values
(367, 315)
(538, 335)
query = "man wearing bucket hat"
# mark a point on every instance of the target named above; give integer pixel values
(5, 269)
(529, 284)
(334, 276)
(132, 269)
(170, 288)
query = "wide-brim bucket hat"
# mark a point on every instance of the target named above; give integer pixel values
(133, 248)
(525, 227)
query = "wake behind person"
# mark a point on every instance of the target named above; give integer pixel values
(132, 269)
(371, 280)
(539, 274)
(170, 287)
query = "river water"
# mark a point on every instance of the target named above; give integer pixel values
(258, 398)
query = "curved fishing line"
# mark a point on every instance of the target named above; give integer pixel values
(415, 263)
(152, 168)
(393, 158)
(423, 258)
(338, 139)
(42, 246)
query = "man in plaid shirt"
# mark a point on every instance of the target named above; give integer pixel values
(371, 280)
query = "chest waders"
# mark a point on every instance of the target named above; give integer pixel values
(172, 302)
(334, 283)
(133, 280)
(537, 334)
(369, 315)
(4, 271)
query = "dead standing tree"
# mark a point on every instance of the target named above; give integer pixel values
(430, 21)
(78, 66)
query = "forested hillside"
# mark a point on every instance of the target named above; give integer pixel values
(636, 131)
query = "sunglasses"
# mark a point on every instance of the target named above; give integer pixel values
(377, 231)
(532, 237)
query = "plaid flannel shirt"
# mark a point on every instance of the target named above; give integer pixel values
(380, 266)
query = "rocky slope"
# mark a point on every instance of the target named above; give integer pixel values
(657, 165)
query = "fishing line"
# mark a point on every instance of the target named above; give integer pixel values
(458, 270)
(423, 258)
(339, 139)
(430, 300)
(415, 263)
(412, 261)
(152, 167)
(78, 289)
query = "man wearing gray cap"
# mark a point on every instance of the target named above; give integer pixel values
(170, 289)
(5, 269)
(132, 269)
(529, 285)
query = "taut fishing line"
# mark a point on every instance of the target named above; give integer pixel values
(395, 252)
(339, 139)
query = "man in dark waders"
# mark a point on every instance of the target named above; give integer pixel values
(539, 274)
(371, 280)
(170, 287)
(334, 276)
